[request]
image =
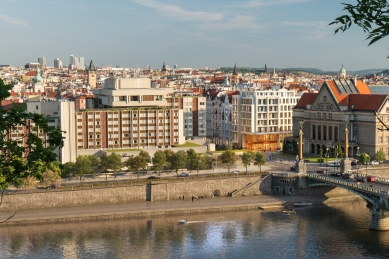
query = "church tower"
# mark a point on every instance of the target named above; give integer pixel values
(38, 82)
(235, 78)
(164, 71)
(91, 75)
(342, 73)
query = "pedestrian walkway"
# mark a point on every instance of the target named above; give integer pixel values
(64, 214)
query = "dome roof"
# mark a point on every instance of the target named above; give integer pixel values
(342, 70)
(38, 78)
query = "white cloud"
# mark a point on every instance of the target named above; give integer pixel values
(235, 22)
(255, 3)
(176, 12)
(11, 20)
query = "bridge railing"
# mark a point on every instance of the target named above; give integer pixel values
(347, 184)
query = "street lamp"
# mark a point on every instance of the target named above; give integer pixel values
(357, 161)
(327, 155)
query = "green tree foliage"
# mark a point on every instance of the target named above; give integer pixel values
(259, 160)
(178, 160)
(145, 155)
(169, 154)
(115, 163)
(247, 158)
(192, 159)
(370, 15)
(68, 169)
(228, 157)
(104, 165)
(82, 167)
(51, 178)
(380, 156)
(364, 158)
(24, 159)
(95, 161)
(137, 163)
(159, 161)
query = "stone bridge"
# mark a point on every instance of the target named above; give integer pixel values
(376, 196)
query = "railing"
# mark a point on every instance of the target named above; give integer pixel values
(347, 184)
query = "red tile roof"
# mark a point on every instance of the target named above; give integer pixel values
(365, 102)
(306, 99)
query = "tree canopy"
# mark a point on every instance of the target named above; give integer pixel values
(228, 157)
(22, 155)
(259, 160)
(371, 15)
(247, 158)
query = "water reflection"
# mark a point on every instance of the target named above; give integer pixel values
(336, 230)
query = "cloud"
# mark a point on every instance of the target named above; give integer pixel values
(11, 20)
(176, 12)
(235, 22)
(255, 3)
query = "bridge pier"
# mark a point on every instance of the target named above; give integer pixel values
(379, 219)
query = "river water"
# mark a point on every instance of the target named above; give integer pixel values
(335, 230)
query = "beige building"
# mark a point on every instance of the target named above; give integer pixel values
(342, 103)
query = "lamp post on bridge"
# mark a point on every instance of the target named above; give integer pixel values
(327, 155)
(357, 161)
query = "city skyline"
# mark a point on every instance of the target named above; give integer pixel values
(281, 33)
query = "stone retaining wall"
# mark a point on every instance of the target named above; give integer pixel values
(156, 191)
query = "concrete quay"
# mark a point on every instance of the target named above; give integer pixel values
(138, 210)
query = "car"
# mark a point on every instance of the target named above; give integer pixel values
(152, 177)
(361, 179)
(371, 178)
(184, 174)
(236, 172)
(321, 171)
(348, 176)
(293, 168)
(374, 162)
(338, 174)
(333, 164)
(279, 151)
(354, 162)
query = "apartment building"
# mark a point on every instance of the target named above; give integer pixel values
(261, 119)
(129, 128)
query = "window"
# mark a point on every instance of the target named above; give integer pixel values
(90, 136)
(36, 107)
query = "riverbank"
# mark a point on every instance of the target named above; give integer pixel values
(139, 210)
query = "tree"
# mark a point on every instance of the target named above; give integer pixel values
(371, 15)
(380, 156)
(364, 158)
(82, 167)
(115, 163)
(68, 169)
(228, 157)
(169, 154)
(51, 178)
(178, 160)
(19, 155)
(247, 158)
(95, 161)
(137, 163)
(104, 165)
(192, 159)
(145, 155)
(159, 161)
(259, 160)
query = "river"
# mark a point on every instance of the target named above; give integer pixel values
(335, 230)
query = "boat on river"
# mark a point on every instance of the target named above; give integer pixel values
(186, 222)
(289, 212)
(302, 204)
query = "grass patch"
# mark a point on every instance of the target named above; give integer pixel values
(188, 144)
(310, 159)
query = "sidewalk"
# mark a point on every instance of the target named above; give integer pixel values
(144, 209)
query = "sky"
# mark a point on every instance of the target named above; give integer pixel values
(197, 34)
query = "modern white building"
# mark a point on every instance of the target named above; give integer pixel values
(59, 114)
(42, 62)
(57, 63)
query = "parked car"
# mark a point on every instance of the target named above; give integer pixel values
(321, 171)
(374, 162)
(371, 178)
(293, 168)
(333, 164)
(184, 174)
(338, 174)
(236, 172)
(152, 177)
(361, 179)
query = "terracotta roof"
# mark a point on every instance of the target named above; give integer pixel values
(365, 102)
(306, 99)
